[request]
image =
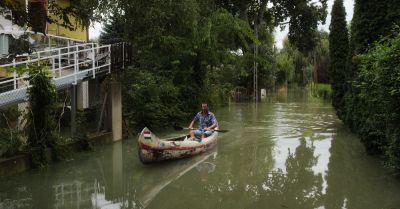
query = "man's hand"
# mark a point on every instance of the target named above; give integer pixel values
(206, 129)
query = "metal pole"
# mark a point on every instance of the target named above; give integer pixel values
(255, 65)
(53, 71)
(75, 69)
(73, 109)
(93, 61)
(109, 59)
(14, 75)
(68, 55)
(59, 62)
(123, 55)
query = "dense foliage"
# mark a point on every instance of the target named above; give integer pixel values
(366, 92)
(10, 137)
(113, 30)
(378, 90)
(338, 52)
(188, 53)
(377, 16)
(372, 20)
(298, 69)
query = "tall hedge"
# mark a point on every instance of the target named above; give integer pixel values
(338, 52)
(378, 87)
(373, 78)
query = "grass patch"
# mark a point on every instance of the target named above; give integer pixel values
(320, 90)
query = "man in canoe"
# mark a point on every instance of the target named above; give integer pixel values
(207, 122)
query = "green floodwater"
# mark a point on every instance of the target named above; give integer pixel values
(288, 152)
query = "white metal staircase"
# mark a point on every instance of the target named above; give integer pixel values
(68, 65)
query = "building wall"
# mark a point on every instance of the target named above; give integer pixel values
(54, 29)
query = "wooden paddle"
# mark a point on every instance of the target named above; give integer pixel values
(179, 128)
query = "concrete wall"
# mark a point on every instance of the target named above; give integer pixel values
(116, 109)
(83, 95)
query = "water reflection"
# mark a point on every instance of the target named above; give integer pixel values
(298, 187)
(142, 188)
(356, 180)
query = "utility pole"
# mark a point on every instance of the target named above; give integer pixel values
(255, 64)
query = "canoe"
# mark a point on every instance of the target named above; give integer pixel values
(153, 149)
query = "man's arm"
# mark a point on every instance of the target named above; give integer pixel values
(214, 125)
(196, 118)
(191, 124)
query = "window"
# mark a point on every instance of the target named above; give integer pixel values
(4, 43)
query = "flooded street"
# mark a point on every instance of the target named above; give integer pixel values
(283, 153)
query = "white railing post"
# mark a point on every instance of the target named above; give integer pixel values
(93, 61)
(54, 67)
(109, 58)
(75, 69)
(68, 53)
(26, 64)
(14, 76)
(59, 62)
(27, 67)
(15, 80)
(38, 62)
(77, 58)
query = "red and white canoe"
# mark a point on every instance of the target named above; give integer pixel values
(154, 149)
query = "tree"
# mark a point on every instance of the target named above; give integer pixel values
(284, 67)
(371, 96)
(338, 52)
(113, 30)
(372, 20)
(304, 16)
(183, 53)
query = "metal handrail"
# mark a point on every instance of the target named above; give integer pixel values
(57, 53)
(51, 56)
(48, 35)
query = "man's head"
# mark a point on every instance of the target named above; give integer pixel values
(204, 107)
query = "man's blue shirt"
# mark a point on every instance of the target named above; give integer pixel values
(205, 120)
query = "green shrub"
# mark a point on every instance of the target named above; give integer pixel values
(320, 90)
(81, 136)
(41, 118)
(373, 102)
(10, 142)
(151, 100)
(10, 136)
